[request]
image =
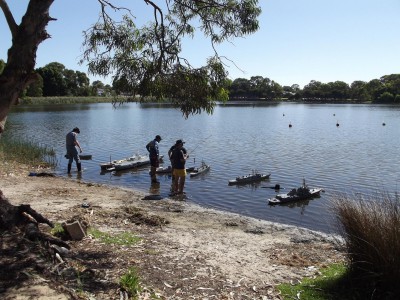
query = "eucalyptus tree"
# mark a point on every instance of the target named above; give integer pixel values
(358, 91)
(391, 83)
(35, 89)
(313, 90)
(147, 58)
(240, 88)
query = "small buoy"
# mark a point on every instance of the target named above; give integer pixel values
(283, 114)
(337, 124)
(334, 114)
(290, 125)
(383, 124)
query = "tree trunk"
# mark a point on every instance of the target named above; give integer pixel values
(21, 58)
(27, 219)
(18, 73)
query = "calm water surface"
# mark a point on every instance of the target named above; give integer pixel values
(358, 157)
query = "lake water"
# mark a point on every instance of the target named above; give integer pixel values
(358, 157)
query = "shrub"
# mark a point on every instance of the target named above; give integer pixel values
(371, 230)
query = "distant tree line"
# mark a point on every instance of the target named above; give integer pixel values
(56, 80)
(383, 90)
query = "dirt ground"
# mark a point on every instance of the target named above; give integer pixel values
(185, 251)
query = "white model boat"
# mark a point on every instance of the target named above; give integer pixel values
(132, 162)
(200, 170)
(127, 163)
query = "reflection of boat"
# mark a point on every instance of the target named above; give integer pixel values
(255, 177)
(127, 163)
(197, 171)
(301, 193)
(168, 170)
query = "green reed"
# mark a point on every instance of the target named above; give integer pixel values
(26, 152)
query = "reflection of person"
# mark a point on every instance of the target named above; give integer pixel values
(152, 148)
(72, 152)
(179, 161)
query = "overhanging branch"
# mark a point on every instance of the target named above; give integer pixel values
(9, 17)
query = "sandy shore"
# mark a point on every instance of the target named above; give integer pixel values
(192, 253)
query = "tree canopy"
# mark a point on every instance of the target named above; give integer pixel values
(146, 59)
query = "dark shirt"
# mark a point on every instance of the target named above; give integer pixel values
(152, 147)
(171, 151)
(177, 158)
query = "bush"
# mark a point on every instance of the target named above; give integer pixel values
(371, 230)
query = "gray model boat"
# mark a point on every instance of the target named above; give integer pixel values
(301, 193)
(255, 177)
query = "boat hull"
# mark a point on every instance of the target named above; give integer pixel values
(285, 198)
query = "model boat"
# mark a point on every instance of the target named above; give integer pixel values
(255, 177)
(200, 170)
(126, 163)
(301, 193)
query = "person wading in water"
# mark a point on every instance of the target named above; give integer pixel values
(179, 161)
(152, 148)
(72, 152)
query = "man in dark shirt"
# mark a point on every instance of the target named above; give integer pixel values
(170, 151)
(179, 157)
(152, 148)
(71, 143)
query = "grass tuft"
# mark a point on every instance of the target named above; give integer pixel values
(131, 283)
(123, 239)
(58, 230)
(323, 287)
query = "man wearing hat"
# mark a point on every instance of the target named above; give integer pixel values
(72, 152)
(179, 160)
(152, 148)
(170, 151)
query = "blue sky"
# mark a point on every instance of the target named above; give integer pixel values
(298, 40)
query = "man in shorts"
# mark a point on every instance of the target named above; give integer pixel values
(170, 151)
(179, 158)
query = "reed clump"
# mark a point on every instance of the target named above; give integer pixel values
(26, 152)
(371, 231)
